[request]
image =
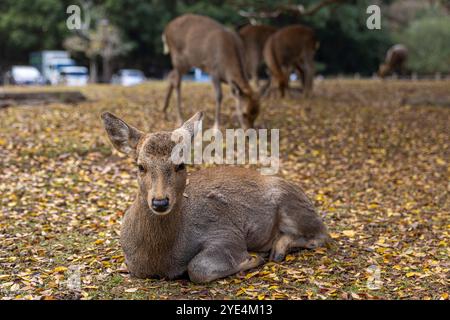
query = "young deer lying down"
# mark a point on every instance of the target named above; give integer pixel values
(205, 223)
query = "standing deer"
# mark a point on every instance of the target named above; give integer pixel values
(289, 48)
(205, 222)
(254, 38)
(198, 41)
(395, 60)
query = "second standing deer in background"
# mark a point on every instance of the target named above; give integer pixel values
(254, 38)
(291, 48)
(198, 41)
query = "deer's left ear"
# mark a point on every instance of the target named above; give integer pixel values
(124, 137)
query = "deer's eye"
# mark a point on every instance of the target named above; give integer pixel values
(180, 167)
(141, 168)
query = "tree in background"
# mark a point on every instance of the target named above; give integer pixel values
(347, 46)
(27, 26)
(104, 41)
(141, 24)
(428, 41)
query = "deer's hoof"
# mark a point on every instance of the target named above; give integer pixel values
(276, 256)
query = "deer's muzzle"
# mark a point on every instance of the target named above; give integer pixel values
(160, 205)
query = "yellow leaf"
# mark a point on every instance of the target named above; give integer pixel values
(60, 269)
(252, 274)
(444, 296)
(381, 250)
(99, 241)
(334, 235)
(319, 197)
(261, 296)
(290, 257)
(349, 233)
(273, 287)
(240, 292)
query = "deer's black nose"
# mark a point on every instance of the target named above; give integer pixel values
(160, 205)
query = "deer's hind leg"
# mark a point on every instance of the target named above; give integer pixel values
(280, 247)
(171, 80)
(218, 262)
(307, 66)
(299, 226)
(287, 243)
(312, 243)
(174, 79)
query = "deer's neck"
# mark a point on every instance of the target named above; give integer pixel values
(159, 233)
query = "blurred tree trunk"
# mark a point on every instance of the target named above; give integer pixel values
(104, 41)
(111, 46)
(93, 70)
(106, 70)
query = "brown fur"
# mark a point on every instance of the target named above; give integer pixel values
(395, 61)
(211, 222)
(198, 41)
(254, 38)
(291, 48)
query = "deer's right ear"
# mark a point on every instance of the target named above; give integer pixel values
(190, 127)
(123, 136)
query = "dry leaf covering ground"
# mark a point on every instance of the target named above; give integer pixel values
(375, 162)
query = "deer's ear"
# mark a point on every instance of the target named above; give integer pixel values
(190, 127)
(123, 136)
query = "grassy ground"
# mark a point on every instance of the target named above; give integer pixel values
(373, 156)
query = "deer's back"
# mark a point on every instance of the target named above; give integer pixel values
(198, 41)
(397, 55)
(288, 43)
(255, 36)
(235, 204)
(189, 31)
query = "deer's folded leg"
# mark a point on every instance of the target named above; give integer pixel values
(215, 263)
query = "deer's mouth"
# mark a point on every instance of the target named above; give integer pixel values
(161, 213)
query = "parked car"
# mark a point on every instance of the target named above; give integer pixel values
(23, 75)
(196, 75)
(73, 76)
(128, 77)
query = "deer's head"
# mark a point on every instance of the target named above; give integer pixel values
(250, 100)
(383, 70)
(161, 181)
